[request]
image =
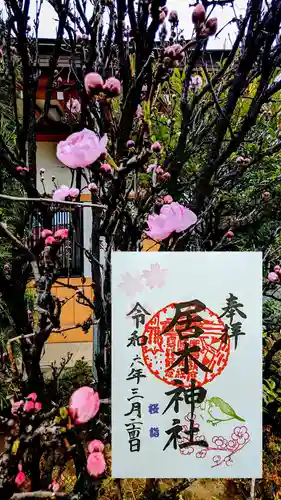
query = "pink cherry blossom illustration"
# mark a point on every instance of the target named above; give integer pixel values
(155, 277)
(131, 285)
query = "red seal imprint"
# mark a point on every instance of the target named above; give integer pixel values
(186, 341)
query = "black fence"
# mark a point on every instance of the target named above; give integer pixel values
(70, 252)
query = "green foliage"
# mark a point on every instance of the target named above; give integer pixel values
(72, 378)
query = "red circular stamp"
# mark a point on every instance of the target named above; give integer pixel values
(186, 341)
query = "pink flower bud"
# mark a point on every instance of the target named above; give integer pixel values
(266, 196)
(93, 83)
(240, 159)
(272, 277)
(95, 445)
(73, 192)
(105, 167)
(22, 169)
(46, 232)
(166, 176)
(212, 25)
(130, 143)
(16, 407)
(168, 199)
(112, 87)
(92, 186)
(139, 113)
(229, 235)
(50, 240)
(55, 486)
(32, 396)
(20, 479)
(159, 171)
(277, 269)
(156, 147)
(198, 14)
(96, 464)
(162, 17)
(84, 405)
(173, 17)
(38, 406)
(150, 168)
(61, 234)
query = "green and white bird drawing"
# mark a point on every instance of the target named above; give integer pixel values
(219, 411)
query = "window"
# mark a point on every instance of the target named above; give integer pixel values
(70, 252)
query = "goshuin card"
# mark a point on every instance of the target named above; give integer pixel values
(186, 364)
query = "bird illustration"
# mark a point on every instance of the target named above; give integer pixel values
(219, 411)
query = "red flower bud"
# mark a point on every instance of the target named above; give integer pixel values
(266, 195)
(198, 14)
(229, 235)
(212, 25)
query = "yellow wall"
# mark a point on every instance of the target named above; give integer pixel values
(73, 312)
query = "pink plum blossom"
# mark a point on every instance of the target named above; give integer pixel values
(92, 186)
(28, 406)
(61, 234)
(273, 277)
(168, 199)
(61, 193)
(16, 407)
(81, 149)
(277, 269)
(84, 405)
(46, 232)
(173, 217)
(95, 445)
(74, 106)
(155, 277)
(112, 87)
(73, 192)
(96, 464)
(93, 83)
(50, 240)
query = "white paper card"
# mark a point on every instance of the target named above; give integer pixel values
(186, 365)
